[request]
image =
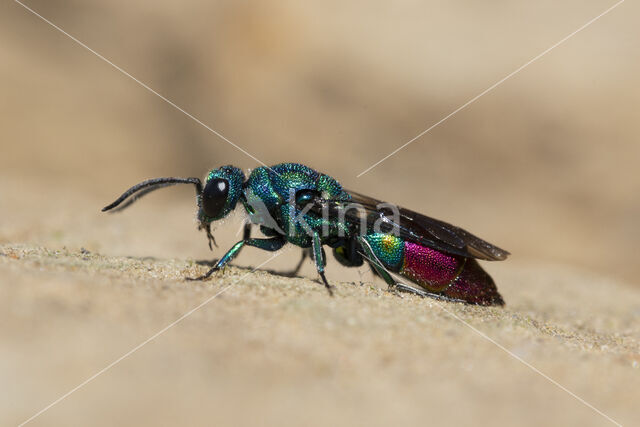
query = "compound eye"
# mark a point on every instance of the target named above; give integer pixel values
(214, 197)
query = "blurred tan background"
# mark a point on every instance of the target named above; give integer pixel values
(545, 165)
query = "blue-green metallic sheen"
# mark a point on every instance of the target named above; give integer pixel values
(277, 186)
(236, 178)
(388, 248)
(295, 204)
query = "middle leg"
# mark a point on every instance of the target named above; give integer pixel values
(320, 260)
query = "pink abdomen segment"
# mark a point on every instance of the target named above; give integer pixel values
(429, 268)
(452, 276)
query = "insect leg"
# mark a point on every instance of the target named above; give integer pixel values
(354, 254)
(410, 289)
(376, 263)
(320, 260)
(373, 270)
(272, 244)
(246, 234)
(294, 272)
(380, 270)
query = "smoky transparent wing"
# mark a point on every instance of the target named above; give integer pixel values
(414, 227)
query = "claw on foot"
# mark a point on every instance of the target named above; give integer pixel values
(326, 284)
(203, 277)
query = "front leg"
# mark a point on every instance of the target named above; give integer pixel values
(272, 244)
(320, 261)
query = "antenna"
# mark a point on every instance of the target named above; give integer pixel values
(148, 186)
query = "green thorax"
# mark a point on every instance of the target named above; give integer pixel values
(276, 189)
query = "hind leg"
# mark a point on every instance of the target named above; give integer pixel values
(395, 286)
(421, 292)
(293, 273)
(376, 264)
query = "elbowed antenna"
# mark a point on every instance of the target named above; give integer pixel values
(148, 186)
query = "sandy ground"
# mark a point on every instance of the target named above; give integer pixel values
(276, 350)
(544, 165)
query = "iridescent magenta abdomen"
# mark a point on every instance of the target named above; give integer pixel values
(429, 268)
(452, 276)
(449, 275)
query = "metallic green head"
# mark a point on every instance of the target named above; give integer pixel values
(222, 189)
